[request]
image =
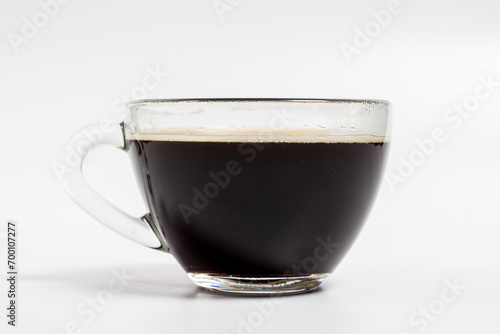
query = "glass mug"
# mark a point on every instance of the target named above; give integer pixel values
(251, 196)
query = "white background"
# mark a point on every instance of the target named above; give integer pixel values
(440, 224)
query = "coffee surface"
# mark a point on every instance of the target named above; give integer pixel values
(280, 208)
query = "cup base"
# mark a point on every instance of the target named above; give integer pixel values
(244, 285)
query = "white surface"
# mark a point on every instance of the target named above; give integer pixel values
(441, 224)
(366, 299)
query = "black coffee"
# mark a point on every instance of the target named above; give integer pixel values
(259, 209)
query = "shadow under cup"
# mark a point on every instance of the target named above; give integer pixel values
(258, 196)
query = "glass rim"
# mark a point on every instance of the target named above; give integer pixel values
(136, 103)
(248, 118)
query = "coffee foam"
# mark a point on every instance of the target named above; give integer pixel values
(249, 136)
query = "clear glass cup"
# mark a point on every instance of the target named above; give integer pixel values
(251, 196)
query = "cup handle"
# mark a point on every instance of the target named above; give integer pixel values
(139, 229)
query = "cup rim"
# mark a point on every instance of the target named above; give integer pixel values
(255, 100)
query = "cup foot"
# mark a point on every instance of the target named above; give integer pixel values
(244, 285)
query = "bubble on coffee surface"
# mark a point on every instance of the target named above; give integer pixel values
(243, 134)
